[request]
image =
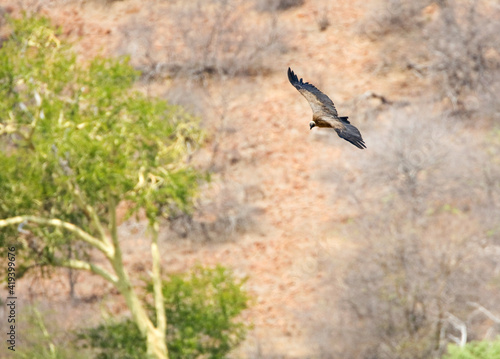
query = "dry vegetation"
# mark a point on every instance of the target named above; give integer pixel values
(382, 253)
(424, 257)
(455, 43)
(216, 37)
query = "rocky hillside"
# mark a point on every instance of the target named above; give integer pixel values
(283, 200)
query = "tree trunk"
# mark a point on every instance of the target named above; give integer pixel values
(155, 336)
(156, 344)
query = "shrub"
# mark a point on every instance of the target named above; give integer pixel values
(201, 308)
(475, 350)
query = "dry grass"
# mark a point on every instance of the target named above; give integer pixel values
(452, 43)
(226, 214)
(389, 16)
(202, 38)
(466, 48)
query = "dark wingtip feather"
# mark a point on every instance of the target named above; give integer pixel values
(292, 77)
(352, 135)
(359, 144)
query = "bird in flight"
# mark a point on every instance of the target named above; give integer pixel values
(324, 112)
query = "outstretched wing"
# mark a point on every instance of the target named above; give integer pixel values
(319, 102)
(352, 135)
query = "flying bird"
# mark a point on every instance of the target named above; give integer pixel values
(324, 112)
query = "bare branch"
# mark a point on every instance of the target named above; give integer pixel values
(80, 233)
(82, 265)
(459, 325)
(485, 311)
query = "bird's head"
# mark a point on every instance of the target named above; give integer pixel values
(311, 125)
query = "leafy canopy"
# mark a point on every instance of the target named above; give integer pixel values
(74, 134)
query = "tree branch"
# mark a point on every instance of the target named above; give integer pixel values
(80, 233)
(80, 201)
(113, 225)
(485, 311)
(161, 319)
(459, 325)
(82, 265)
(89, 209)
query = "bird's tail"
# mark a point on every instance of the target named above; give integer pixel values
(352, 135)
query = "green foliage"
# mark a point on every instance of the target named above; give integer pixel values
(475, 350)
(74, 134)
(202, 309)
(115, 340)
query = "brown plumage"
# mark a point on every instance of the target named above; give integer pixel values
(324, 112)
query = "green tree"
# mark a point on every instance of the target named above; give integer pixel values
(76, 142)
(475, 350)
(202, 308)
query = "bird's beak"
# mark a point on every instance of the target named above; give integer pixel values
(311, 126)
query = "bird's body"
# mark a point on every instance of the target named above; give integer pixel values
(324, 112)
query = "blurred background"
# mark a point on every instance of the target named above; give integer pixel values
(389, 252)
